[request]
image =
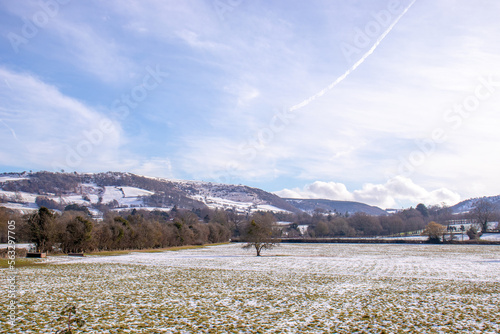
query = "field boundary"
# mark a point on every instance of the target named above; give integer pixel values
(377, 241)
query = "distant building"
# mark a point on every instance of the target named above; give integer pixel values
(303, 229)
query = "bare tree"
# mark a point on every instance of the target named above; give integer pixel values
(365, 224)
(482, 213)
(259, 233)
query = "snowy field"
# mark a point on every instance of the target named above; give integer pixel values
(457, 237)
(306, 288)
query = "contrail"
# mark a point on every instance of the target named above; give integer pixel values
(11, 129)
(353, 67)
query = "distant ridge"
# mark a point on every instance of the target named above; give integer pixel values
(120, 191)
(468, 204)
(117, 190)
(341, 207)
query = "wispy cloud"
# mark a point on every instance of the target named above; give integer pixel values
(47, 123)
(93, 52)
(72, 39)
(45, 128)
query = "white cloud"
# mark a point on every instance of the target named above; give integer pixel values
(321, 189)
(396, 192)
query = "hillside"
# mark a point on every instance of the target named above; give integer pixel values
(467, 205)
(341, 207)
(117, 191)
(113, 190)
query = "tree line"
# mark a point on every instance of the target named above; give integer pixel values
(322, 224)
(413, 220)
(74, 229)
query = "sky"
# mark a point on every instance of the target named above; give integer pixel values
(391, 103)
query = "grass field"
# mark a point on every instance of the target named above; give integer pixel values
(307, 288)
(21, 262)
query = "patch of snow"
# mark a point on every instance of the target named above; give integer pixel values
(125, 196)
(111, 193)
(26, 246)
(75, 199)
(266, 207)
(140, 207)
(239, 205)
(135, 192)
(24, 208)
(303, 229)
(491, 236)
(19, 196)
(283, 223)
(4, 179)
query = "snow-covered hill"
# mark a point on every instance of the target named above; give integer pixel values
(120, 191)
(467, 205)
(28, 191)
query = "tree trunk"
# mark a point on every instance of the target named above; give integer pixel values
(258, 248)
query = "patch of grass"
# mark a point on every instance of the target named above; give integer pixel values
(161, 250)
(110, 253)
(178, 248)
(154, 250)
(21, 262)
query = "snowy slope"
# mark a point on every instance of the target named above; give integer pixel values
(238, 206)
(125, 190)
(467, 205)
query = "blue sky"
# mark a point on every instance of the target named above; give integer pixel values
(387, 102)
